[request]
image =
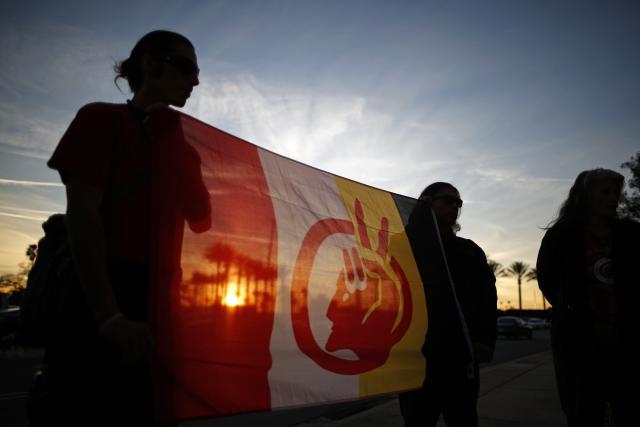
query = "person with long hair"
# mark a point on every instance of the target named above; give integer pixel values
(588, 270)
(461, 305)
(98, 364)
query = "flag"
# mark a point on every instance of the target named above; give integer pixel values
(276, 284)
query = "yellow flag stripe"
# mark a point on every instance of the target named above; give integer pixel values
(405, 366)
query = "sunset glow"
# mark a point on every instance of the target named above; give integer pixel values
(232, 298)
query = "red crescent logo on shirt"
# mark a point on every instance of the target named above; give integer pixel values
(371, 309)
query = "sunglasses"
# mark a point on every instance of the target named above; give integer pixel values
(182, 64)
(451, 200)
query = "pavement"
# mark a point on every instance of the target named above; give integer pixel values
(518, 393)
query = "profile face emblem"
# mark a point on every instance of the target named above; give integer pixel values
(371, 308)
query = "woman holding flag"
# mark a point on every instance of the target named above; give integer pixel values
(97, 367)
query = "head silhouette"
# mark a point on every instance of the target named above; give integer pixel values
(445, 201)
(162, 67)
(594, 192)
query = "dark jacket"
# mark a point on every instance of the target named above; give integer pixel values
(562, 277)
(562, 273)
(474, 287)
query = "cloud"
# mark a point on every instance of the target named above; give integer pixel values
(25, 213)
(44, 79)
(282, 119)
(4, 181)
(511, 177)
(70, 54)
(20, 216)
(27, 134)
(347, 135)
(293, 122)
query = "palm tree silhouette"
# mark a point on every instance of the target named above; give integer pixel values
(495, 267)
(533, 275)
(519, 270)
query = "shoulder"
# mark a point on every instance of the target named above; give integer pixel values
(562, 231)
(98, 116)
(99, 121)
(470, 246)
(98, 110)
(88, 141)
(96, 122)
(103, 107)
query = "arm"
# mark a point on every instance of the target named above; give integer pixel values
(86, 238)
(197, 206)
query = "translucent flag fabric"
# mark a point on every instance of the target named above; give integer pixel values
(276, 284)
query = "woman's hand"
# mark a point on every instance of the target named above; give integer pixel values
(132, 338)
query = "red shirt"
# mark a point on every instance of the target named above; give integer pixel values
(105, 147)
(151, 181)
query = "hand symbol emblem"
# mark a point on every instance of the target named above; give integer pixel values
(371, 309)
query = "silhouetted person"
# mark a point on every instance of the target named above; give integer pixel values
(131, 181)
(461, 324)
(588, 270)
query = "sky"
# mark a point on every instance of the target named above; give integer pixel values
(507, 100)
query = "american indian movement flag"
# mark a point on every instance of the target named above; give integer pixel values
(300, 289)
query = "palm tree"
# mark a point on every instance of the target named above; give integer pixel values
(519, 270)
(533, 275)
(496, 267)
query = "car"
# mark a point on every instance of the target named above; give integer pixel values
(512, 327)
(537, 323)
(9, 320)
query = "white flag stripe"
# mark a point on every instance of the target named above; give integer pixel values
(301, 197)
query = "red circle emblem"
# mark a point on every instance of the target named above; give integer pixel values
(371, 309)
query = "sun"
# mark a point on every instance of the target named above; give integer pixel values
(234, 296)
(231, 300)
